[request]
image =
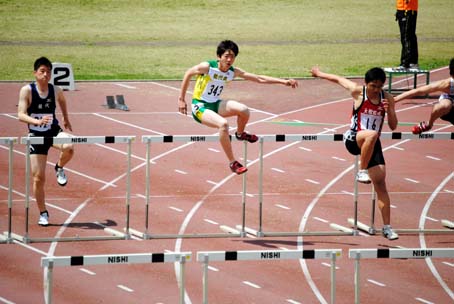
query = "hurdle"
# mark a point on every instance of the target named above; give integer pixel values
(117, 259)
(9, 141)
(295, 138)
(402, 136)
(394, 253)
(148, 139)
(205, 257)
(74, 140)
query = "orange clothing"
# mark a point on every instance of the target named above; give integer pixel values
(407, 5)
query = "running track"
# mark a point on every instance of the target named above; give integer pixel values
(307, 186)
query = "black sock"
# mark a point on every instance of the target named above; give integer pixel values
(57, 167)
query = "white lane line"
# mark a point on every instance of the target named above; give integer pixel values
(125, 288)
(213, 268)
(293, 301)
(180, 171)
(125, 86)
(320, 219)
(251, 284)
(398, 148)
(347, 192)
(211, 222)
(87, 271)
(3, 300)
(376, 283)
(213, 150)
(328, 265)
(247, 194)
(423, 301)
(282, 206)
(411, 180)
(393, 206)
(211, 182)
(449, 264)
(312, 181)
(433, 157)
(305, 149)
(278, 170)
(431, 219)
(449, 191)
(176, 209)
(338, 158)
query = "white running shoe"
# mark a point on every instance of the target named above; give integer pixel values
(363, 176)
(389, 233)
(61, 177)
(43, 218)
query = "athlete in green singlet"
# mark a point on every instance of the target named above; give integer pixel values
(207, 106)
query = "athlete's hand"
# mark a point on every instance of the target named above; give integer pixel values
(182, 106)
(292, 83)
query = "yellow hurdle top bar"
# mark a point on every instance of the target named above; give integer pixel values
(295, 137)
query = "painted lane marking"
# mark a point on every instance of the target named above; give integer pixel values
(282, 206)
(214, 150)
(293, 301)
(338, 158)
(376, 283)
(423, 301)
(328, 265)
(449, 264)
(180, 171)
(213, 268)
(320, 219)
(251, 284)
(211, 222)
(124, 86)
(211, 182)
(305, 149)
(312, 181)
(433, 157)
(278, 170)
(125, 288)
(176, 209)
(87, 271)
(411, 180)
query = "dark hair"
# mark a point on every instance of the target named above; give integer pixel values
(42, 61)
(227, 45)
(451, 67)
(375, 74)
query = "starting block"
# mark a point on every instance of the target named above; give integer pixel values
(117, 102)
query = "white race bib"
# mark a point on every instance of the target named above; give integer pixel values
(41, 128)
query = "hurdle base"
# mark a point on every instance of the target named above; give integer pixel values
(362, 226)
(424, 231)
(307, 233)
(26, 239)
(148, 236)
(447, 224)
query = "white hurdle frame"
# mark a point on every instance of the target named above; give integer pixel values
(148, 139)
(400, 136)
(9, 141)
(394, 253)
(205, 257)
(74, 140)
(117, 259)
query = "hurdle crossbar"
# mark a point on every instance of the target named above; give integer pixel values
(266, 255)
(117, 259)
(148, 139)
(394, 253)
(74, 140)
(9, 141)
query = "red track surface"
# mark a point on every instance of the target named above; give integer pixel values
(307, 186)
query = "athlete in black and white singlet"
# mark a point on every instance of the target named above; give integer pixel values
(368, 116)
(42, 106)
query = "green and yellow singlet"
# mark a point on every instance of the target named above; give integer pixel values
(209, 86)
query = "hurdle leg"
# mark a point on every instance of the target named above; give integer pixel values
(243, 197)
(333, 277)
(260, 232)
(357, 257)
(355, 220)
(128, 189)
(10, 190)
(182, 264)
(27, 189)
(147, 189)
(205, 279)
(372, 216)
(48, 283)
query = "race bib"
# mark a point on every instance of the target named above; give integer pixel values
(40, 128)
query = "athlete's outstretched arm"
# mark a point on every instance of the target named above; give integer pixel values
(342, 81)
(265, 79)
(438, 86)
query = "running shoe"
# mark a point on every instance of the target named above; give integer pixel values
(252, 138)
(389, 233)
(237, 168)
(421, 127)
(363, 176)
(61, 176)
(43, 218)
